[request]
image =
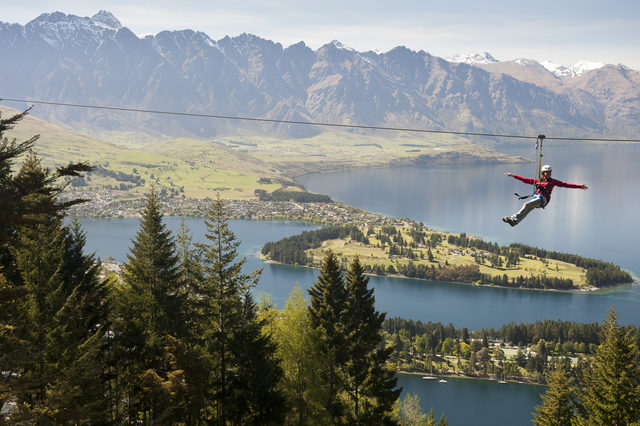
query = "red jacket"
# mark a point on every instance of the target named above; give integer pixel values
(546, 186)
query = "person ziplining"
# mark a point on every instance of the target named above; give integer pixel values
(544, 185)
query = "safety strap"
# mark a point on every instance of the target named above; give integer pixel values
(522, 197)
(539, 140)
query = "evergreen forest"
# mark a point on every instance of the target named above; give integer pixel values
(177, 337)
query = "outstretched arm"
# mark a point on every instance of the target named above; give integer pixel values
(570, 185)
(522, 179)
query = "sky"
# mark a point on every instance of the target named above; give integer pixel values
(559, 31)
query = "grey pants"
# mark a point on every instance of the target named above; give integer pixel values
(536, 202)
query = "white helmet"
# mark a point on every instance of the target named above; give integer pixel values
(546, 168)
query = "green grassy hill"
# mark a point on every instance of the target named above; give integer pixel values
(235, 167)
(376, 253)
(409, 249)
(204, 168)
(180, 166)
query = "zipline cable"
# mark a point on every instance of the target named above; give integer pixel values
(311, 123)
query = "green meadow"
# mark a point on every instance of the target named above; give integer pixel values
(377, 253)
(234, 166)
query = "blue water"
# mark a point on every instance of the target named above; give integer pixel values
(602, 222)
(462, 305)
(474, 402)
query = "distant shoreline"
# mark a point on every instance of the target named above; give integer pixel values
(467, 377)
(590, 290)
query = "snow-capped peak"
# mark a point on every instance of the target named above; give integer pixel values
(524, 62)
(58, 29)
(582, 67)
(106, 20)
(579, 68)
(557, 69)
(339, 45)
(478, 58)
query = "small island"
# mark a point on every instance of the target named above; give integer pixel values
(412, 250)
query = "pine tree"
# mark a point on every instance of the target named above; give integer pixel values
(190, 352)
(61, 319)
(38, 253)
(9, 343)
(223, 284)
(612, 381)
(327, 311)
(26, 194)
(81, 328)
(150, 318)
(258, 399)
(12, 209)
(558, 402)
(370, 384)
(54, 306)
(190, 279)
(152, 273)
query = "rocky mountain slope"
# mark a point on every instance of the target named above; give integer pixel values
(96, 60)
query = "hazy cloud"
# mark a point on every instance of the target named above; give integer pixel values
(561, 31)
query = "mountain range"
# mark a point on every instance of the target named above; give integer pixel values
(558, 70)
(98, 61)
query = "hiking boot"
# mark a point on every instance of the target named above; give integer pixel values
(508, 220)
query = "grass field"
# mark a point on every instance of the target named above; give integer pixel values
(235, 166)
(182, 166)
(375, 253)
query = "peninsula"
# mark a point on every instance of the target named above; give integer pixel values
(414, 251)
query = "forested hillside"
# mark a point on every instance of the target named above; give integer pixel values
(592, 370)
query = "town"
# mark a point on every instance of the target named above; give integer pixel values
(102, 204)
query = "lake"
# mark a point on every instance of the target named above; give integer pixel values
(601, 222)
(474, 402)
(462, 305)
